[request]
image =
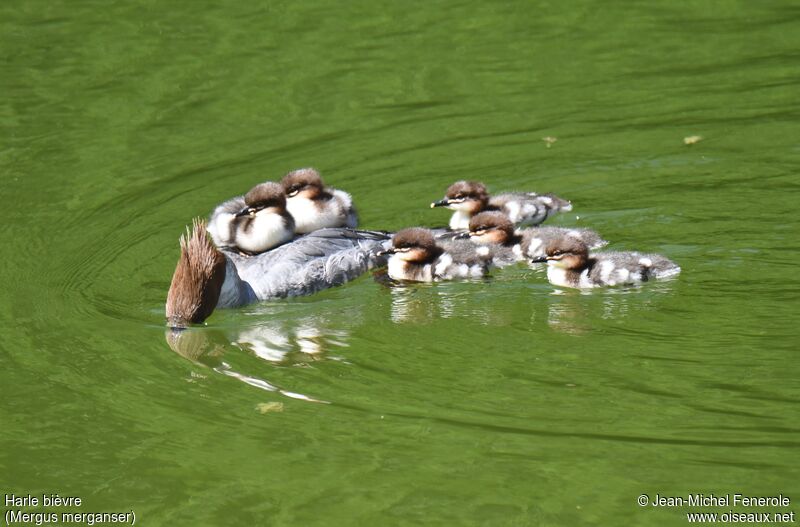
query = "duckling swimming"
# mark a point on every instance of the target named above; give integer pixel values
(569, 264)
(315, 206)
(510, 246)
(468, 198)
(207, 278)
(255, 222)
(417, 257)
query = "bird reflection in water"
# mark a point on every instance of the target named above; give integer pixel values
(570, 311)
(286, 342)
(307, 340)
(576, 311)
(423, 303)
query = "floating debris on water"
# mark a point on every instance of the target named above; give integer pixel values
(692, 139)
(194, 377)
(266, 408)
(549, 140)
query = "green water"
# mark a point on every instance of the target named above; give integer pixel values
(502, 402)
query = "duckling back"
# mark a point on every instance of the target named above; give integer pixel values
(462, 259)
(620, 268)
(528, 208)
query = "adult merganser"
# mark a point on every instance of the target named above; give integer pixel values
(569, 264)
(315, 206)
(255, 222)
(416, 256)
(468, 198)
(510, 246)
(207, 277)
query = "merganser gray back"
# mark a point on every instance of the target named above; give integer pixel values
(255, 222)
(569, 264)
(468, 198)
(416, 256)
(315, 206)
(495, 229)
(207, 277)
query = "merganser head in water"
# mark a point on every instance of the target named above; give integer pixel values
(468, 198)
(315, 206)
(569, 264)
(254, 223)
(511, 245)
(416, 256)
(198, 278)
(207, 278)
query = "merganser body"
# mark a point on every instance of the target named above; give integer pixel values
(468, 198)
(416, 256)
(569, 264)
(255, 222)
(315, 206)
(207, 277)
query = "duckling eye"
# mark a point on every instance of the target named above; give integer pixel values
(558, 253)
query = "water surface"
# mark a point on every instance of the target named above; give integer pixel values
(497, 402)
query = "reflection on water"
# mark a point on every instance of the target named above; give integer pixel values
(410, 305)
(275, 334)
(271, 341)
(575, 311)
(569, 311)
(282, 342)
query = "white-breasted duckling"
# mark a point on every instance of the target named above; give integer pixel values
(417, 257)
(495, 229)
(569, 264)
(207, 277)
(468, 198)
(315, 206)
(255, 222)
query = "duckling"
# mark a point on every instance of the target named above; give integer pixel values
(315, 206)
(569, 264)
(416, 256)
(253, 223)
(468, 198)
(495, 229)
